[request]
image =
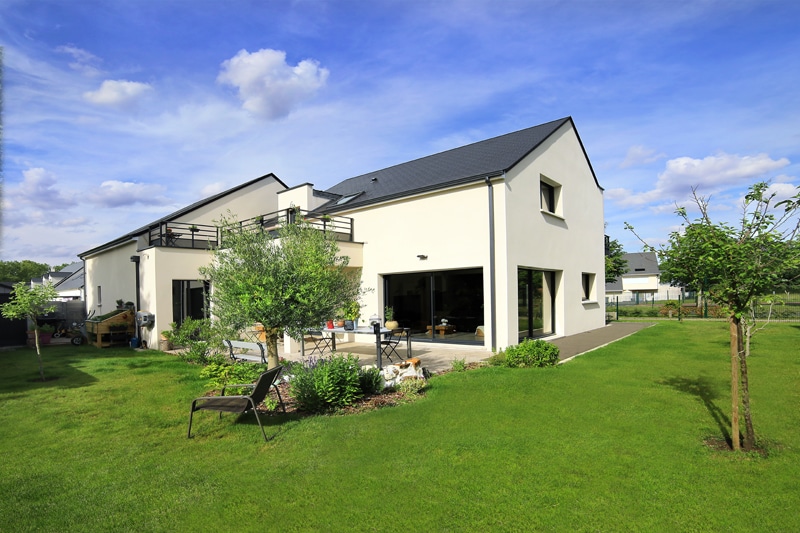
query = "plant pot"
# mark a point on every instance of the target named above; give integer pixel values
(329, 324)
(45, 338)
(349, 325)
(392, 324)
(340, 323)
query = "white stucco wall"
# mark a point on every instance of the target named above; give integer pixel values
(571, 244)
(449, 227)
(159, 267)
(115, 274)
(256, 199)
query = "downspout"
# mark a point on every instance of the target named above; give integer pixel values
(492, 300)
(135, 260)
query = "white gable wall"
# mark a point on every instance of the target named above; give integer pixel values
(571, 244)
(115, 274)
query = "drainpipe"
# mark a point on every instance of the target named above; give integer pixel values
(135, 260)
(492, 302)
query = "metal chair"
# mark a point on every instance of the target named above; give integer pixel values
(241, 403)
(390, 342)
(319, 341)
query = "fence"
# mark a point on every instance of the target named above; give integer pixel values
(784, 307)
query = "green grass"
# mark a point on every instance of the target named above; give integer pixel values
(612, 441)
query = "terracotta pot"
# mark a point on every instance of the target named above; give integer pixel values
(340, 323)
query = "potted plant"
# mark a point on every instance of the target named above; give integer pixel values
(351, 312)
(391, 323)
(120, 303)
(193, 228)
(46, 333)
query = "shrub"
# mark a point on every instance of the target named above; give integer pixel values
(411, 387)
(220, 374)
(459, 365)
(531, 352)
(498, 359)
(326, 383)
(370, 380)
(199, 338)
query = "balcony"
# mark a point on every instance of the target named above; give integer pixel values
(204, 237)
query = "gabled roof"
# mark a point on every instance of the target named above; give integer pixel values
(74, 281)
(641, 264)
(173, 216)
(469, 163)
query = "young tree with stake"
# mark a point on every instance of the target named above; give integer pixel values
(734, 264)
(29, 303)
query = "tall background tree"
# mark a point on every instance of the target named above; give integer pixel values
(30, 303)
(616, 266)
(734, 264)
(25, 270)
(290, 282)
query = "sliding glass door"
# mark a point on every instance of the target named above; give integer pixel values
(536, 295)
(443, 306)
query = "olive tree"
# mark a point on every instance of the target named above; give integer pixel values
(289, 282)
(29, 303)
(734, 264)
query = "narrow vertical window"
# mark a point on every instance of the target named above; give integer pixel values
(548, 197)
(99, 295)
(587, 280)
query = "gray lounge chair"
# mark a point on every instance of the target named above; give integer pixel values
(240, 404)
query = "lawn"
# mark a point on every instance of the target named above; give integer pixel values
(612, 441)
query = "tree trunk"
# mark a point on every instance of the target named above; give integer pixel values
(38, 352)
(750, 434)
(735, 328)
(272, 348)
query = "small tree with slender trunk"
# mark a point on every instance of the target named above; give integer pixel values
(30, 303)
(735, 264)
(289, 282)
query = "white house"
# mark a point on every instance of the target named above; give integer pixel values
(501, 239)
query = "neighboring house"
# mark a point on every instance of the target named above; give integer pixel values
(642, 282)
(68, 282)
(502, 239)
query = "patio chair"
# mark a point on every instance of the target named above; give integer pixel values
(391, 341)
(319, 342)
(242, 403)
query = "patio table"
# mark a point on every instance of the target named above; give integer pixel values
(376, 330)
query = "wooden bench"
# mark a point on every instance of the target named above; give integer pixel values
(242, 345)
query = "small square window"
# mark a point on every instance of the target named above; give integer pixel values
(587, 282)
(550, 196)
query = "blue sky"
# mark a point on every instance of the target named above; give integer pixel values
(119, 112)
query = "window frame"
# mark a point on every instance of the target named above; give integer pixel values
(588, 287)
(550, 200)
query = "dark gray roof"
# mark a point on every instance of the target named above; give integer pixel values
(641, 263)
(468, 163)
(74, 281)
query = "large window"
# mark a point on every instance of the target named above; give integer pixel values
(189, 300)
(439, 306)
(536, 296)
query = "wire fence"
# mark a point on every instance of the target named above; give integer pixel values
(783, 307)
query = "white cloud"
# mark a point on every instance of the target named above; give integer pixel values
(711, 174)
(114, 193)
(118, 93)
(640, 155)
(84, 62)
(38, 188)
(268, 86)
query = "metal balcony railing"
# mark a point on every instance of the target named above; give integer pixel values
(204, 236)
